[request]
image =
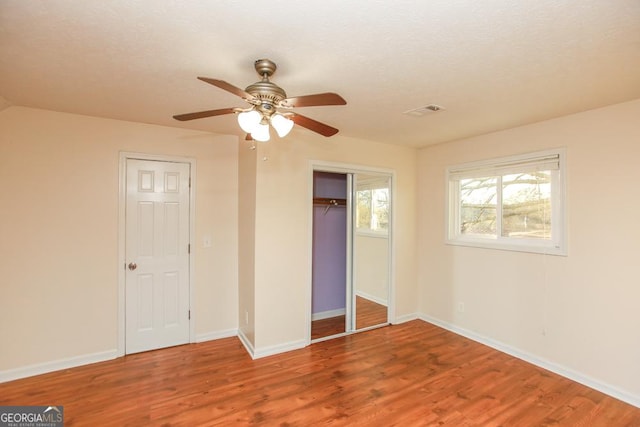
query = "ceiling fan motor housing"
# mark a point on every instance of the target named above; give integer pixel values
(266, 92)
(266, 95)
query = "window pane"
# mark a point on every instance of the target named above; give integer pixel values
(526, 205)
(363, 209)
(478, 206)
(380, 214)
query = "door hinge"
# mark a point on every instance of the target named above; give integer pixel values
(189, 182)
(189, 248)
(189, 314)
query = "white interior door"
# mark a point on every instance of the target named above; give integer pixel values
(157, 255)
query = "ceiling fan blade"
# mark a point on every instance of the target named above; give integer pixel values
(313, 125)
(317, 99)
(227, 86)
(203, 114)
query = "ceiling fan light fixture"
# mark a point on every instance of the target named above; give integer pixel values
(260, 132)
(249, 120)
(281, 124)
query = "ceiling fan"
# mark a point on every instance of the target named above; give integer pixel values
(267, 101)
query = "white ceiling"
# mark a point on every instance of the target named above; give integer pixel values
(492, 64)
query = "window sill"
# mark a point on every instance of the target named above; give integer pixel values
(508, 246)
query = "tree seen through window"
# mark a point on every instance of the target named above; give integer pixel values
(525, 208)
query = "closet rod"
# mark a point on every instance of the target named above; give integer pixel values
(329, 201)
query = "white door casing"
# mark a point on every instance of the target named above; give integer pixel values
(157, 234)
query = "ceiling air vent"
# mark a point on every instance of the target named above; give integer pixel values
(427, 109)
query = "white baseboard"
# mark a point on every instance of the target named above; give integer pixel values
(271, 350)
(56, 365)
(246, 343)
(327, 314)
(210, 336)
(405, 318)
(279, 348)
(535, 360)
(373, 298)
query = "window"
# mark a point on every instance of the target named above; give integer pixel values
(514, 203)
(372, 207)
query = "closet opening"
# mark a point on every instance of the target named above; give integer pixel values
(351, 252)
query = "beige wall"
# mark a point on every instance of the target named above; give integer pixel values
(283, 224)
(578, 312)
(59, 231)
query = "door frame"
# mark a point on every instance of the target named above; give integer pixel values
(347, 168)
(122, 200)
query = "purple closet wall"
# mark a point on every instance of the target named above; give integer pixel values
(329, 244)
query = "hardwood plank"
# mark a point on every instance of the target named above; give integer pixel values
(409, 374)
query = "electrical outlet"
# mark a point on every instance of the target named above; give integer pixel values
(460, 307)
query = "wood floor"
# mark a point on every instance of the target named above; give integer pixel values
(413, 374)
(368, 313)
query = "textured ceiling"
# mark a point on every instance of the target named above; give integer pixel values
(492, 64)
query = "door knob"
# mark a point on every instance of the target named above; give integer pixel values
(132, 266)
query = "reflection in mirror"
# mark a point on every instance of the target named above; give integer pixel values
(371, 249)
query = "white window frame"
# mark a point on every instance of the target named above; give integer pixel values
(542, 160)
